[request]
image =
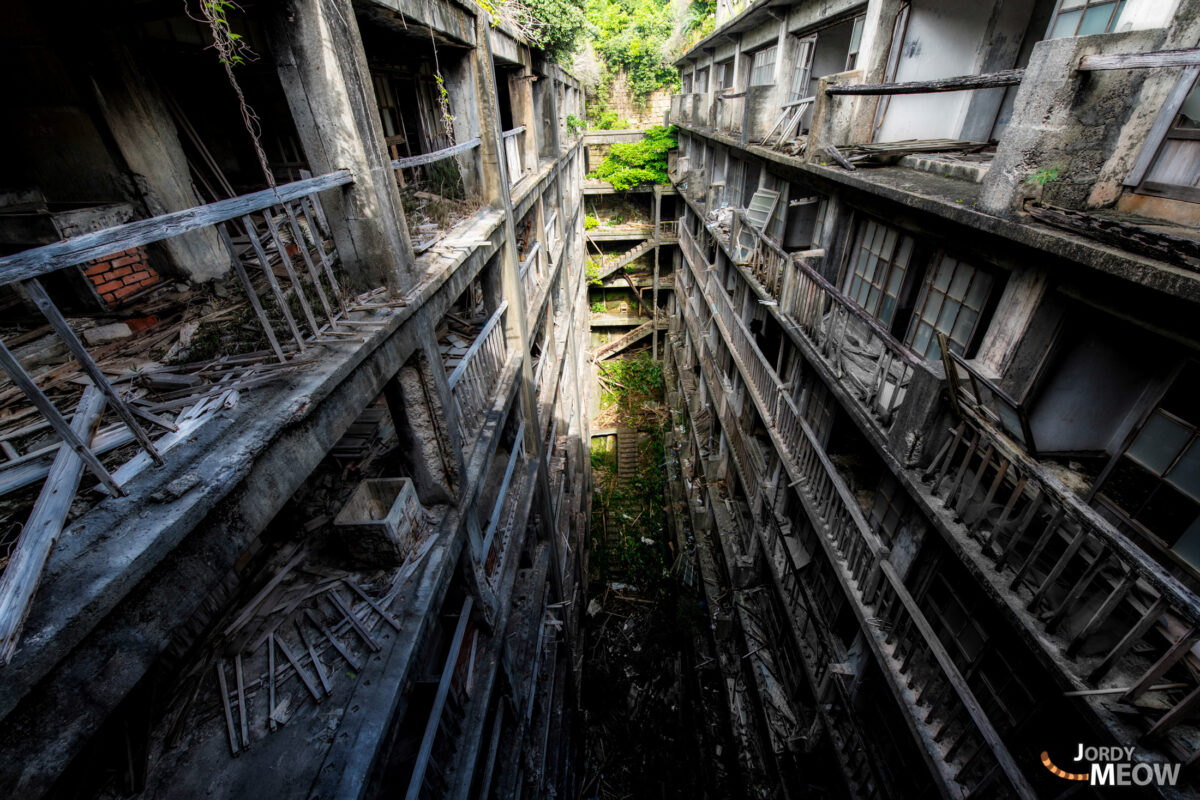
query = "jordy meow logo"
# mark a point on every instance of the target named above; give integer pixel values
(1113, 766)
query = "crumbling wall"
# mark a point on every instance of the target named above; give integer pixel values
(622, 101)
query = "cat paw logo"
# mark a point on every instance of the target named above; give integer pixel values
(1114, 766)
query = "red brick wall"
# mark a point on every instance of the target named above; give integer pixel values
(119, 276)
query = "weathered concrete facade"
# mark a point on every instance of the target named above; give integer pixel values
(442, 237)
(917, 382)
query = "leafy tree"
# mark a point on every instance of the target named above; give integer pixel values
(631, 164)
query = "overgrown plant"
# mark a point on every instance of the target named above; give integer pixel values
(233, 50)
(631, 164)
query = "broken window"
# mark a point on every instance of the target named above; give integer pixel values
(877, 267)
(701, 83)
(1174, 170)
(855, 41)
(1154, 485)
(951, 302)
(802, 70)
(686, 83)
(724, 77)
(1084, 17)
(762, 69)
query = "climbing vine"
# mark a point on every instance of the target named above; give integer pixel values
(630, 164)
(631, 37)
(233, 50)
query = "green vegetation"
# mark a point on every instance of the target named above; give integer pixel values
(562, 23)
(598, 307)
(575, 125)
(609, 121)
(590, 222)
(1043, 176)
(592, 271)
(631, 36)
(699, 21)
(629, 519)
(631, 164)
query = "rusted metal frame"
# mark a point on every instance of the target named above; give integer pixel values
(251, 295)
(280, 299)
(1131, 637)
(302, 244)
(1176, 651)
(286, 260)
(42, 300)
(52, 415)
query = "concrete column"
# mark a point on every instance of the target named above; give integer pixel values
(516, 331)
(144, 132)
(520, 93)
(323, 68)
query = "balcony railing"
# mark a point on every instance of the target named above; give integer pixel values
(551, 231)
(473, 381)
(499, 530)
(968, 751)
(285, 226)
(875, 368)
(1078, 581)
(533, 269)
(668, 229)
(514, 147)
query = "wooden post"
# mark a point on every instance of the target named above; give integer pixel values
(20, 579)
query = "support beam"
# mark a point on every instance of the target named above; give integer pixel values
(1011, 77)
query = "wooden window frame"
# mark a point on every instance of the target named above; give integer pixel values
(756, 67)
(806, 51)
(1113, 16)
(925, 292)
(857, 245)
(1160, 134)
(860, 23)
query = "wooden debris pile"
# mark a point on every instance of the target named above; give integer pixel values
(880, 154)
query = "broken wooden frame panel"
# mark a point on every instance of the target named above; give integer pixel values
(514, 146)
(533, 270)
(473, 381)
(1080, 579)
(969, 387)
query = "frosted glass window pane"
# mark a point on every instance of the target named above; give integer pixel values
(1188, 545)
(963, 326)
(923, 339)
(1069, 4)
(979, 290)
(1095, 20)
(885, 313)
(962, 277)
(905, 251)
(945, 270)
(1158, 444)
(894, 279)
(946, 318)
(1066, 24)
(1185, 475)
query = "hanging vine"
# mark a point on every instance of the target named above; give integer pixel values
(233, 50)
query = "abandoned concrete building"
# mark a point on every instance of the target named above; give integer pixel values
(301, 373)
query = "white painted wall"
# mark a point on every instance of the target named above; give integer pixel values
(944, 39)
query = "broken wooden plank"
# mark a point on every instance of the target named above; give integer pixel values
(318, 667)
(271, 723)
(241, 695)
(1162, 59)
(21, 577)
(371, 602)
(990, 80)
(436, 155)
(837, 156)
(354, 621)
(345, 653)
(224, 689)
(300, 673)
(65, 432)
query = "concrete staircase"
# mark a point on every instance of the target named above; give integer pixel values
(609, 267)
(627, 455)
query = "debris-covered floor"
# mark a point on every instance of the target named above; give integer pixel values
(650, 729)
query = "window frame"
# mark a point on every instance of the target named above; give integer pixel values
(924, 293)
(861, 242)
(1114, 15)
(857, 27)
(806, 52)
(1160, 133)
(756, 67)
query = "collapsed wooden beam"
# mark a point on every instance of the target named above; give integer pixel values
(1159, 60)
(24, 571)
(990, 80)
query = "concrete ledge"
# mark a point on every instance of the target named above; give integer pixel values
(949, 168)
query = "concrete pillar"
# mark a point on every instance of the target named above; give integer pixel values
(323, 68)
(144, 132)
